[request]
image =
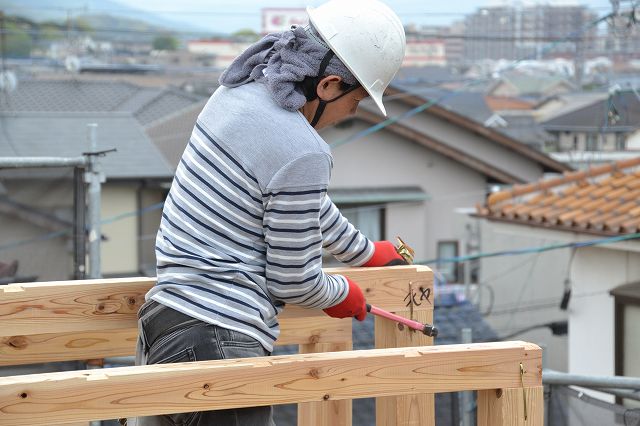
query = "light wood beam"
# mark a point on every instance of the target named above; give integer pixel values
(326, 413)
(52, 347)
(506, 407)
(406, 410)
(50, 398)
(108, 304)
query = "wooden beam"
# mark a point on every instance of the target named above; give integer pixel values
(52, 347)
(417, 409)
(69, 320)
(506, 407)
(326, 413)
(50, 398)
(107, 304)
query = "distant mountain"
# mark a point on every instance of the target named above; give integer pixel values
(94, 11)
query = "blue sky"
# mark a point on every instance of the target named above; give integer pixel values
(226, 16)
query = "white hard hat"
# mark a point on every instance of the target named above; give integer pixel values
(367, 36)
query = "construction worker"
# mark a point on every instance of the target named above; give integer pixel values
(247, 216)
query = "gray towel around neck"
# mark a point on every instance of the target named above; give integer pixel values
(281, 61)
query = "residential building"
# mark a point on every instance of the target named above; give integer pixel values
(223, 51)
(489, 34)
(535, 86)
(608, 124)
(134, 174)
(422, 170)
(49, 118)
(585, 270)
(505, 32)
(623, 39)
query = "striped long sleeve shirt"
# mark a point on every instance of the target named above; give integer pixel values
(247, 217)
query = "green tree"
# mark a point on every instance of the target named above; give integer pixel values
(83, 26)
(50, 31)
(17, 42)
(246, 34)
(165, 42)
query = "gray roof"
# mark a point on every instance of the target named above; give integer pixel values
(470, 104)
(619, 112)
(449, 320)
(145, 103)
(525, 129)
(527, 84)
(65, 135)
(427, 74)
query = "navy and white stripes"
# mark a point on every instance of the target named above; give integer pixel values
(235, 245)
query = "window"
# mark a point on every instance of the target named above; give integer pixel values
(592, 142)
(449, 270)
(627, 329)
(621, 142)
(368, 219)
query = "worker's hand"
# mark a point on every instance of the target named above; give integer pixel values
(353, 306)
(385, 254)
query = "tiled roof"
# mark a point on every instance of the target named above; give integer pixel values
(500, 103)
(600, 200)
(42, 134)
(620, 111)
(69, 96)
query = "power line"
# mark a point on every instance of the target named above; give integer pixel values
(87, 10)
(428, 104)
(531, 250)
(474, 37)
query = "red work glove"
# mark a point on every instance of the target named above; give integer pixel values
(385, 254)
(353, 306)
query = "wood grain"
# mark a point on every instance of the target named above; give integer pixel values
(406, 410)
(44, 399)
(325, 413)
(108, 304)
(505, 407)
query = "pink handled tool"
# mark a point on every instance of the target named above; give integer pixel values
(427, 329)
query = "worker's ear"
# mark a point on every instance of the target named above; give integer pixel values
(329, 87)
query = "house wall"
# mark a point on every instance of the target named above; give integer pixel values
(383, 159)
(528, 289)
(577, 141)
(51, 258)
(468, 142)
(596, 271)
(524, 290)
(38, 254)
(149, 223)
(119, 253)
(633, 141)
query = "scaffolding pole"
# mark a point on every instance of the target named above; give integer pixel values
(93, 178)
(25, 162)
(551, 377)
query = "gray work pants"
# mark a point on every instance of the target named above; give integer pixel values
(168, 336)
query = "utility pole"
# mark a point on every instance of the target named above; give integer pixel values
(94, 177)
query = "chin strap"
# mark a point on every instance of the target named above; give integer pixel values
(310, 87)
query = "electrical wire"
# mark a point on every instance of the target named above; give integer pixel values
(530, 250)
(387, 122)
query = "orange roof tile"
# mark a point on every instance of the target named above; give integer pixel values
(499, 103)
(601, 200)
